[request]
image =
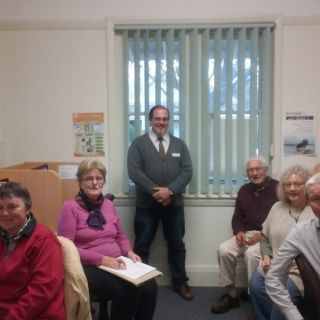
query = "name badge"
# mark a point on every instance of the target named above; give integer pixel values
(176, 155)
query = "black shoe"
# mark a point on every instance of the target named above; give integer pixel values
(225, 304)
(252, 316)
(184, 292)
(244, 295)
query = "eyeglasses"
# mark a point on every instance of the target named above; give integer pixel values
(293, 184)
(314, 200)
(161, 119)
(89, 179)
(257, 169)
(9, 208)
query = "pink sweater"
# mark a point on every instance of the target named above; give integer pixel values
(92, 243)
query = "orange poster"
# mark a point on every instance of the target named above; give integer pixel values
(88, 130)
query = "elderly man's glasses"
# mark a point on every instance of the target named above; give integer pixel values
(158, 119)
(255, 169)
(315, 200)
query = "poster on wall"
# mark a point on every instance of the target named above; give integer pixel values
(88, 131)
(299, 134)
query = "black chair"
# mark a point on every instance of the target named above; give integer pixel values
(103, 304)
(311, 283)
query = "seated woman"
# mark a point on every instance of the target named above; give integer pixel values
(91, 222)
(31, 267)
(291, 209)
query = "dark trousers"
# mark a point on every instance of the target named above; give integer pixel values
(145, 226)
(127, 301)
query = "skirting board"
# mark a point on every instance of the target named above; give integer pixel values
(204, 276)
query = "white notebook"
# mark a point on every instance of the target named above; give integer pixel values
(135, 272)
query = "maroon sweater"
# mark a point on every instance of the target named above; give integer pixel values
(251, 210)
(31, 278)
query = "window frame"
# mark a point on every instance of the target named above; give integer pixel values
(199, 195)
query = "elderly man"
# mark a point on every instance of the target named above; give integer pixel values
(304, 239)
(253, 204)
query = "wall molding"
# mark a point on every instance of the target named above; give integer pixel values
(53, 25)
(125, 201)
(204, 275)
(7, 25)
(299, 21)
(101, 24)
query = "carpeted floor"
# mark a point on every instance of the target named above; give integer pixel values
(171, 307)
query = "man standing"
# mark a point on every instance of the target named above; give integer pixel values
(303, 239)
(160, 166)
(253, 204)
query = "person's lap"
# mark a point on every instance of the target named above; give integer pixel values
(127, 299)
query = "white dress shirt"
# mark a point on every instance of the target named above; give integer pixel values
(155, 141)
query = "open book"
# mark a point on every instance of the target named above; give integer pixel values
(135, 272)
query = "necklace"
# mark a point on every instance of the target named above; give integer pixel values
(297, 216)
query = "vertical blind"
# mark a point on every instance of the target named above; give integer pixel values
(216, 82)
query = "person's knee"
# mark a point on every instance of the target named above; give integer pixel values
(150, 288)
(251, 254)
(224, 250)
(251, 251)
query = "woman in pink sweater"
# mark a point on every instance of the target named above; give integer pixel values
(91, 222)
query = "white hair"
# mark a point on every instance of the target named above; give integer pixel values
(261, 159)
(313, 180)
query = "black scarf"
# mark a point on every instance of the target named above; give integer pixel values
(95, 219)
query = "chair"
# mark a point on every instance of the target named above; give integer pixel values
(311, 282)
(76, 292)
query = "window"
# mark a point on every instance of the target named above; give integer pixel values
(216, 81)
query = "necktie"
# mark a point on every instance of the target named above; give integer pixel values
(161, 147)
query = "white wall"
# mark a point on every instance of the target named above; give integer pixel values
(50, 75)
(205, 227)
(99, 9)
(50, 70)
(300, 76)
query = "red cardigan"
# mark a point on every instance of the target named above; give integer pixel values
(31, 278)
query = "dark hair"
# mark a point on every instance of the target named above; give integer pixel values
(16, 189)
(158, 106)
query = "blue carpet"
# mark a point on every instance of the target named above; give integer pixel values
(171, 307)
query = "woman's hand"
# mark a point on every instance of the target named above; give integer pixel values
(266, 262)
(114, 263)
(134, 257)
